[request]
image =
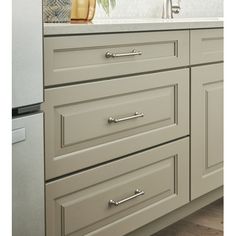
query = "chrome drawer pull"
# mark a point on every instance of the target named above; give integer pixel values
(137, 193)
(128, 54)
(135, 116)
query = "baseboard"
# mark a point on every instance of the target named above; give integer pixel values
(178, 214)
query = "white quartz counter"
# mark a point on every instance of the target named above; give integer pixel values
(130, 25)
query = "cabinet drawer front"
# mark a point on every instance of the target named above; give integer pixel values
(207, 46)
(83, 58)
(79, 205)
(100, 119)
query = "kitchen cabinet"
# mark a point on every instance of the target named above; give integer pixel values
(206, 129)
(133, 129)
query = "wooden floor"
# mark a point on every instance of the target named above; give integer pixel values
(206, 222)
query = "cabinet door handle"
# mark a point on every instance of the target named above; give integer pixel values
(116, 120)
(127, 54)
(137, 193)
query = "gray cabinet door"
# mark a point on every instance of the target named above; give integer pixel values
(80, 204)
(206, 46)
(78, 131)
(206, 129)
(85, 57)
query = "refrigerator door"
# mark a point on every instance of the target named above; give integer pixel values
(28, 176)
(27, 52)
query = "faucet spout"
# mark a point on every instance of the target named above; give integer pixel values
(169, 9)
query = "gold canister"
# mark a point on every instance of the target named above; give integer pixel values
(82, 10)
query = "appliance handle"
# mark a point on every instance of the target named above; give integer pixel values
(18, 135)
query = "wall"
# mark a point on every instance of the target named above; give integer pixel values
(153, 8)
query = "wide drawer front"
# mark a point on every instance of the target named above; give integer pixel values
(206, 46)
(118, 197)
(83, 58)
(113, 118)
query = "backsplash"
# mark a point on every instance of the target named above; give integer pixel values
(153, 9)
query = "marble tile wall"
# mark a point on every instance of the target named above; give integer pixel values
(153, 8)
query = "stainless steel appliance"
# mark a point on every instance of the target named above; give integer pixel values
(27, 135)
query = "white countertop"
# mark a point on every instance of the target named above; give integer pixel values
(131, 25)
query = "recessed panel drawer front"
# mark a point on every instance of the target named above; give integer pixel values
(136, 189)
(83, 58)
(206, 46)
(113, 118)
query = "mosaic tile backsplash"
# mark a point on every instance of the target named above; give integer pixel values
(153, 9)
(56, 11)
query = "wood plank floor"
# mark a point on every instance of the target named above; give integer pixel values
(206, 222)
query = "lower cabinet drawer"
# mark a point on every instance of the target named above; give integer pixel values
(93, 123)
(121, 196)
(206, 45)
(69, 59)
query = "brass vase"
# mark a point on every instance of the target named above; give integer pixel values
(82, 10)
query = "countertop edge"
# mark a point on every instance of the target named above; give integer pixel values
(59, 29)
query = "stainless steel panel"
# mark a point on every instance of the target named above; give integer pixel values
(18, 135)
(27, 56)
(28, 176)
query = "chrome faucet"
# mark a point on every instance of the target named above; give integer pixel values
(169, 9)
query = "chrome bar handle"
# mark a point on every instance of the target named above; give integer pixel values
(128, 54)
(135, 116)
(137, 193)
